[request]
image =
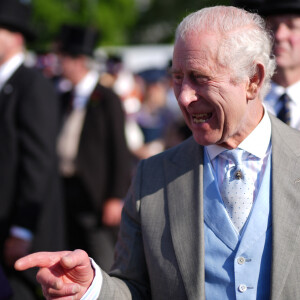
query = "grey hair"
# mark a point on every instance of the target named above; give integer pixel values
(245, 40)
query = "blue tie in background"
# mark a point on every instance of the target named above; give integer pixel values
(285, 113)
(237, 189)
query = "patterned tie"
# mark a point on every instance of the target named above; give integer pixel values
(237, 189)
(285, 113)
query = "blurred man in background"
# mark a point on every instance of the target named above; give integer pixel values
(30, 194)
(94, 158)
(283, 100)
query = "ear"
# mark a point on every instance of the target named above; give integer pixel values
(255, 83)
(19, 38)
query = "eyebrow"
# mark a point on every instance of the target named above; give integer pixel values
(175, 71)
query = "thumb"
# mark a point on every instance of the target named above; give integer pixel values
(77, 258)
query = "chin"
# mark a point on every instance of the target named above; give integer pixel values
(201, 140)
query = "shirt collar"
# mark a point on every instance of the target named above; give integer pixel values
(85, 87)
(292, 91)
(9, 67)
(256, 142)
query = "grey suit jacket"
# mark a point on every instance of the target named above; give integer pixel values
(160, 252)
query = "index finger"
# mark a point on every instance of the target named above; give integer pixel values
(39, 259)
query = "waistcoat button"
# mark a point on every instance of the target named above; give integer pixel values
(241, 260)
(242, 288)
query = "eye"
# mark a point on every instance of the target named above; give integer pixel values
(177, 78)
(199, 78)
(294, 25)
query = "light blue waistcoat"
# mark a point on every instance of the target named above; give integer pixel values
(237, 267)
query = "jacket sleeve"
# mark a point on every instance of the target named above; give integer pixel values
(128, 278)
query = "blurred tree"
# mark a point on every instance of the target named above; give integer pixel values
(113, 18)
(157, 23)
(120, 22)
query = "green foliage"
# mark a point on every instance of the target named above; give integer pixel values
(119, 21)
(165, 15)
(113, 18)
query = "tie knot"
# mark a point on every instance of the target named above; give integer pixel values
(284, 98)
(235, 155)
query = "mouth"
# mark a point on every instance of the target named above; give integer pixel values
(201, 118)
(279, 49)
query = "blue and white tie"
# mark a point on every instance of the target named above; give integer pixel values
(237, 189)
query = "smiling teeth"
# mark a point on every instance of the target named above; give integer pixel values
(201, 118)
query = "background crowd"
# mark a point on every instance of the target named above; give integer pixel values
(74, 128)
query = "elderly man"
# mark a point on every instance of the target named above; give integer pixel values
(217, 216)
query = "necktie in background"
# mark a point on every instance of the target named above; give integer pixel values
(285, 113)
(237, 189)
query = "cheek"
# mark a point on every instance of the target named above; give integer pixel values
(176, 91)
(295, 41)
(67, 67)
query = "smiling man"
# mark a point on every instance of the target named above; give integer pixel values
(219, 109)
(283, 100)
(187, 231)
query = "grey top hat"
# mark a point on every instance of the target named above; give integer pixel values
(15, 15)
(77, 40)
(280, 7)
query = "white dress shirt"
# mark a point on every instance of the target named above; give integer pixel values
(273, 105)
(9, 67)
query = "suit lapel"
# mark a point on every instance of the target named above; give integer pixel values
(9, 86)
(184, 188)
(285, 204)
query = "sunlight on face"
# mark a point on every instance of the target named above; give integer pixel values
(213, 106)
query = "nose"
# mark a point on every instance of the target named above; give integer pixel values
(281, 32)
(187, 94)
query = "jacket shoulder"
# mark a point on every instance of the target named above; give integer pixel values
(182, 154)
(285, 136)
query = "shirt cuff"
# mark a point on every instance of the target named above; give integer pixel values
(93, 291)
(22, 233)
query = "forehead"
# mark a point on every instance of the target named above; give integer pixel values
(198, 50)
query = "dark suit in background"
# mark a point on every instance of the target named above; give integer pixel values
(30, 189)
(29, 185)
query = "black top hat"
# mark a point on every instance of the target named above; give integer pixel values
(15, 15)
(280, 7)
(249, 5)
(77, 40)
